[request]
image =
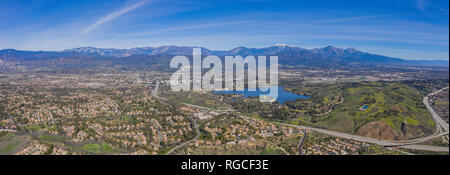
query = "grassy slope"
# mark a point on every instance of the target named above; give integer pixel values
(393, 103)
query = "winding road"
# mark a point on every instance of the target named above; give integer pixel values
(440, 123)
(387, 143)
(197, 130)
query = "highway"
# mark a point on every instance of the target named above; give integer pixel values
(426, 148)
(205, 108)
(440, 123)
(381, 142)
(387, 143)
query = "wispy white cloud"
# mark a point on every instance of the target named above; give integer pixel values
(191, 27)
(348, 19)
(114, 15)
(210, 25)
(322, 21)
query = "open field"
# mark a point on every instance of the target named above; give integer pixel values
(209, 100)
(11, 143)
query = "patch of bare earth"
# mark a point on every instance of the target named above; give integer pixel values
(379, 130)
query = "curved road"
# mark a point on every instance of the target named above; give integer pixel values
(440, 123)
(197, 130)
(388, 143)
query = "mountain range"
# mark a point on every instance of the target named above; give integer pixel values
(288, 55)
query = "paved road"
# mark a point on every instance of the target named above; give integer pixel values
(7, 130)
(427, 148)
(205, 108)
(155, 92)
(358, 137)
(440, 123)
(300, 144)
(368, 139)
(398, 150)
(197, 130)
(387, 143)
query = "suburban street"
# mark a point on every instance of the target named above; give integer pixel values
(440, 123)
(197, 130)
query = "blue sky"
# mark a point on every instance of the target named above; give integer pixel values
(410, 29)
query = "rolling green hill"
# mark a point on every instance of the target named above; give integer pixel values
(393, 111)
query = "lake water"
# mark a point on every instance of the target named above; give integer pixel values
(283, 96)
(364, 107)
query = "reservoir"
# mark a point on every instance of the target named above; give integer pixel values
(364, 107)
(283, 96)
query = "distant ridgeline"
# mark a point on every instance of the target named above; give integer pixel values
(149, 56)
